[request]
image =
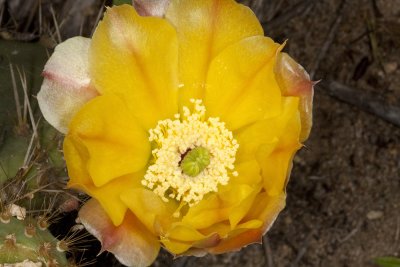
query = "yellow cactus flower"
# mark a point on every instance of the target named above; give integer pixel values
(181, 123)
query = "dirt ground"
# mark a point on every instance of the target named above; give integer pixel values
(343, 206)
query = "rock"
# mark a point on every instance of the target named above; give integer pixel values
(390, 67)
(374, 215)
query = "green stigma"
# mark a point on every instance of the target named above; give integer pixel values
(195, 161)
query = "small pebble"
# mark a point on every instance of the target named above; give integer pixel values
(288, 220)
(374, 215)
(390, 67)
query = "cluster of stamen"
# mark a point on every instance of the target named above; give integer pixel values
(213, 145)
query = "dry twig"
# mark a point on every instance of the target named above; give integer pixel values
(267, 252)
(302, 250)
(351, 234)
(363, 101)
(329, 39)
(293, 12)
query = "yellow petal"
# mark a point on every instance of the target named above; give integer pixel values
(244, 234)
(149, 208)
(295, 81)
(210, 241)
(276, 168)
(240, 210)
(66, 86)
(136, 58)
(266, 208)
(253, 224)
(182, 237)
(182, 232)
(248, 90)
(206, 213)
(131, 242)
(227, 204)
(265, 134)
(238, 198)
(204, 29)
(76, 156)
(276, 165)
(237, 241)
(175, 247)
(109, 194)
(222, 229)
(116, 144)
(232, 194)
(249, 173)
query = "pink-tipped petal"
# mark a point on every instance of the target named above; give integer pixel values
(66, 86)
(237, 242)
(131, 243)
(154, 8)
(265, 211)
(209, 242)
(199, 248)
(295, 81)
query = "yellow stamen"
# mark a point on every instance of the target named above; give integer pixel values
(210, 145)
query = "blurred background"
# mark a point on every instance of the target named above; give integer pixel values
(343, 206)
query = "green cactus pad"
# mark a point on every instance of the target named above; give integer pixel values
(16, 245)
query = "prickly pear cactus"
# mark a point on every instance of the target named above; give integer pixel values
(31, 166)
(25, 241)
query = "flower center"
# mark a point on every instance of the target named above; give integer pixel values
(195, 161)
(192, 156)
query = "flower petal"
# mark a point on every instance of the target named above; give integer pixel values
(175, 247)
(265, 134)
(182, 232)
(295, 81)
(136, 59)
(154, 8)
(109, 194)
(66, 86)
(204, 29)
(227, 204)
(210, 241)
(199, 248)
(260, 218)
(232, 194)
(266, 208)
(238, 241)
(206, 213)
(276, 165)
(116, 144)
(131, 242)
(238, 198)
(153, 212)
(249, 91)
(248, 182)
(76, 156)
(240, 210)
(249, 173)
(181, 237)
